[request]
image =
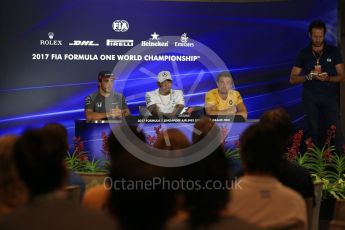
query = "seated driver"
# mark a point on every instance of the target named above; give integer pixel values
(164, 100)
(105, 103)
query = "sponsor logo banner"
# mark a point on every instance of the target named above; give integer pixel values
(184, 41)
(120, 25)
(119, 42)
(83, 43)
(155, 41)
(51, 42)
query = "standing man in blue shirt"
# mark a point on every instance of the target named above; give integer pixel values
(320, 68)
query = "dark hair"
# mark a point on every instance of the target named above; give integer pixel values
(224, 74)
(150, 208)
(13, 192)
(280, 120)
(39, 156)
(317, 24)
(202, 128)
(57, 129)
(140, 207)
(104, 74)
(177, 140)
(261, 149)
(204, 205)
(114, 145)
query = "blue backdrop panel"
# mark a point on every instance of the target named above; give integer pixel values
(257, 42)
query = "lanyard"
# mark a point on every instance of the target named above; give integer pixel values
(318, 56)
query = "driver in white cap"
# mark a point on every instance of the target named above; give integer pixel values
(164, 100)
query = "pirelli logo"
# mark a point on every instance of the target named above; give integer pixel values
(119, 42)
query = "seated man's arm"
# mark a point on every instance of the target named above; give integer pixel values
(179, 102)
(211, 110)
(154, 110)
(178, 107)
(125, 110)
(241, 107)
(211, 106)
(151, 104)
(242, 110)
(92, 116)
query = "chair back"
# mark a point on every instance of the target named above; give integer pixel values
(310, 211)
(73, 193)
(337, 225)
(297, 225)
(339, 210)
(316, 209)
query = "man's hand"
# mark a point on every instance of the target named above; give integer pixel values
(323, 77)
(312, 75)
(116, 113)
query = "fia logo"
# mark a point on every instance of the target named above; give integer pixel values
(99, 104)
(120, 26)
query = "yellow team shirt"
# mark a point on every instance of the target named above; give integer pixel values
(213, 98)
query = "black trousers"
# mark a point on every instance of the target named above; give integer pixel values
(321, 113)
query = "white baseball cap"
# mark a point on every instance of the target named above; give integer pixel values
(163, 76)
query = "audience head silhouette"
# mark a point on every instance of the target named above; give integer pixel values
(39, 156)
(140, 200)
(13, 192)
(261, 149)
(280, 120)
(205, 205)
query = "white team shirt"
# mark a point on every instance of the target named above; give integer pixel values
(267, 203)
(165, 103)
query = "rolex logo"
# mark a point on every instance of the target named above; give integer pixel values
(51, 35)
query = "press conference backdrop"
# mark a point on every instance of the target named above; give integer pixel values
(52, 51)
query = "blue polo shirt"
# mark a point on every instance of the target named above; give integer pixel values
(329, 59)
